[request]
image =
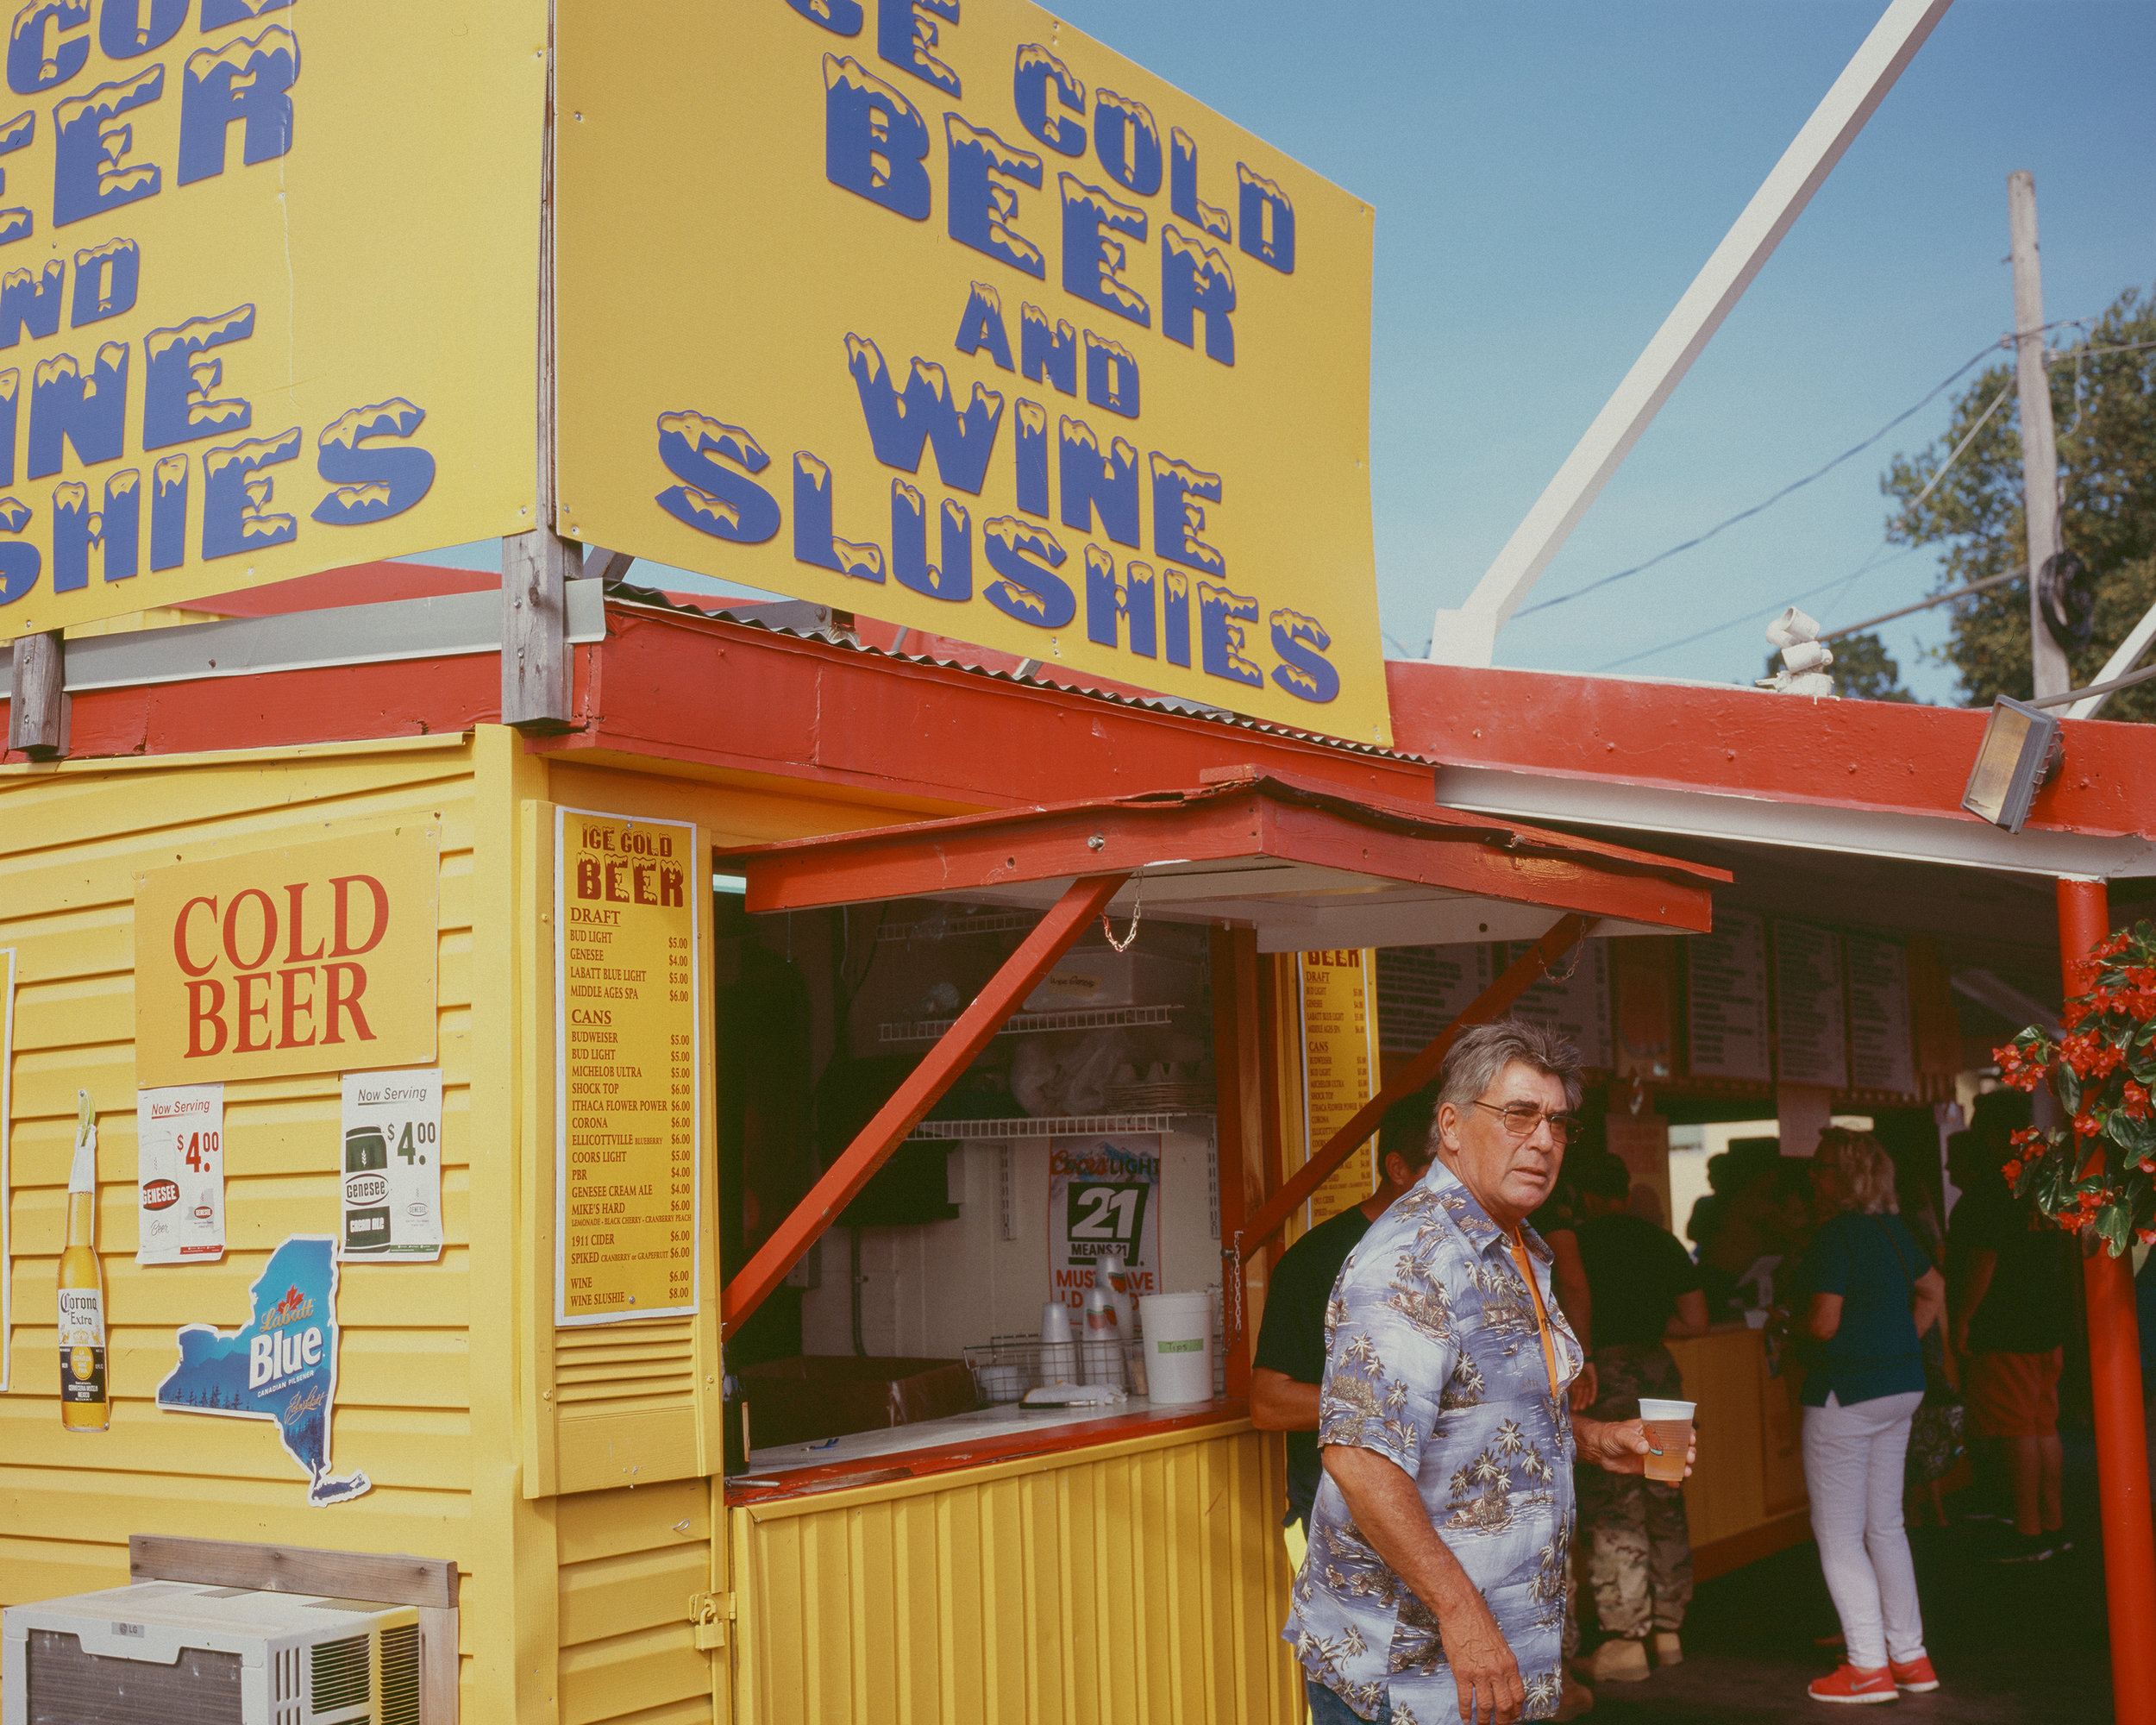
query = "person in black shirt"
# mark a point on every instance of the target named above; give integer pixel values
(1644, 1287)
(1289, 1362)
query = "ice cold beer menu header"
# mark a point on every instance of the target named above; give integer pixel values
(627, 946)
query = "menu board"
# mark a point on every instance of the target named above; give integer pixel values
(1880, 1050)
(1577, 1008)
(1422, 989)
(629, 1086)
(1339, 1070)
(1811, 1031)
(1726, 1015)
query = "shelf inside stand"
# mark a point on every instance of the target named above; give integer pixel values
(1033, 1024)
(1052, 1125)
(937, 928)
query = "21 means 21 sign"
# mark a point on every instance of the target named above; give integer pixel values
(939, 310)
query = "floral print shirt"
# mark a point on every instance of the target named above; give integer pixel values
(1434, 1360)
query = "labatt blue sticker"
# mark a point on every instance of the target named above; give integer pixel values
(281, 1366)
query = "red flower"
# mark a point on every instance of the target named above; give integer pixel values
(2136, 1102)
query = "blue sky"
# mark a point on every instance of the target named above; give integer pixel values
(1548, 179)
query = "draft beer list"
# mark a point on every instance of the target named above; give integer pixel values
(628, 1090)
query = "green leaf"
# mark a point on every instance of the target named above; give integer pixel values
(2067, 1082)
(2113, 1224)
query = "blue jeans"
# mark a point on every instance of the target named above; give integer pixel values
(1327, 1709)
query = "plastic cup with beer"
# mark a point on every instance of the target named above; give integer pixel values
(1668, 1437)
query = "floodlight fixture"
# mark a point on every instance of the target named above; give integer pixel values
(2022, 748)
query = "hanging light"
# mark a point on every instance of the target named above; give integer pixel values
(2022, 748)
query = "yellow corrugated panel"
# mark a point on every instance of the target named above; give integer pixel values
(629, 1561)
(1142, 1582)
(72, 841)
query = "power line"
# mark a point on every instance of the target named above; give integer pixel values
(2012, 574)
(1748, 616)
(1795, 486)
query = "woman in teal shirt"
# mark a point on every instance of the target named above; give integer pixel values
(1869, 1293)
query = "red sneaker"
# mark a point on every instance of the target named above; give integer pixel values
(1856, 1687)
(1917, 1676)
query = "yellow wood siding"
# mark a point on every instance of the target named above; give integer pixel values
(1143, 1581)
(74, 839)
(631, 1558)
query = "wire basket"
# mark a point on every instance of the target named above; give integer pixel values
(1005, 1367)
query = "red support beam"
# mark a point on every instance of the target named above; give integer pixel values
(1238, 1124)
(1492, 1003)
(1036, 955)
(2115, 1374)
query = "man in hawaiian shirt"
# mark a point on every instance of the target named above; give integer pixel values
(1435, 1579)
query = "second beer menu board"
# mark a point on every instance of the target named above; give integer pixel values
(627, 1127)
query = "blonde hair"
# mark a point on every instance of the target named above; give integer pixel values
(1867, 1171)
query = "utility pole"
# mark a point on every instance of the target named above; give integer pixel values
(2039, 449)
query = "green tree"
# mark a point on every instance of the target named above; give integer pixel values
(1864, 670)
(2103, 404)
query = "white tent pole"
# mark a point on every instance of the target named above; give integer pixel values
(1468, 636)
(2117, 665)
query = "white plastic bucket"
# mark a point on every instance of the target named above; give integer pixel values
(1178, 1329)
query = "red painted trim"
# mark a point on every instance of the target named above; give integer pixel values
(360, 584)
(1891, 756)
(1230, 1416)
(939, 1070)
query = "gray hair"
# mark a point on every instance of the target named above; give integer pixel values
(1482, 1052)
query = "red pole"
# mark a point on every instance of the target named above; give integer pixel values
(2114, 1371)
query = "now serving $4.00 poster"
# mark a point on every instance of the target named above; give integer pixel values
(179, 1152)
(391, 1168)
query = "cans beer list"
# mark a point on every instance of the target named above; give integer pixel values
(626, 942)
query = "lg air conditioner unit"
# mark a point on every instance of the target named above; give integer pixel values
(182, 1652)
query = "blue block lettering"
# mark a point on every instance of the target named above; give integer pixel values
(1092, 261)
(168, 512)
(1090, 480)
(1108, 599)
(237, 495)
(873, 140)
(115, 533)
(123, 33)
(1032, 459)
(1182, 187)
(10, 399)
(1194, 278)
(905, 36)
(713, 498)
(20, 561)
(840, 17)
(1035, 70)
(89, 412)
(176, 407)
(813, 542)
(247, 83)
(87, 148)
(1268, 221)
(106, 279)
(31, 302)
(1046, 354)
(982, 326)
(953, 578)
(31, 68)
(1127, 142)
(1175, 604)
(899, 424)
(371, 485)
(217, 13)
(983, 204)
(1111, 376)
(1179, 491)
(1302, 641)
(1221, 615)
(1024, 557)
(19, 222)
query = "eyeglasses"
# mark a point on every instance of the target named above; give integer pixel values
(1520, 1120)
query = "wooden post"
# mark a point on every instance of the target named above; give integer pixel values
(2039, 448)
(1239, 1122)
(537, 567)
(2115, 1384)
(37, 699)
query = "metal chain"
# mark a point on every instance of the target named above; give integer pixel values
(1231, 1275)
(1137, 909)
(1579, 947)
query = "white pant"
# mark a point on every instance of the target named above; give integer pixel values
(1853, 1460)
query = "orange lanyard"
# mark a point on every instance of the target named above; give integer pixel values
(1542, 1318)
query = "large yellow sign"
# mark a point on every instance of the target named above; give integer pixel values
(964, 321)
(267, 291)
(629, 1093)
(313, 958)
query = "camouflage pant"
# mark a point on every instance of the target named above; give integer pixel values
(1638, 1555)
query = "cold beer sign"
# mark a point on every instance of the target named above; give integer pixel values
(313, 958)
